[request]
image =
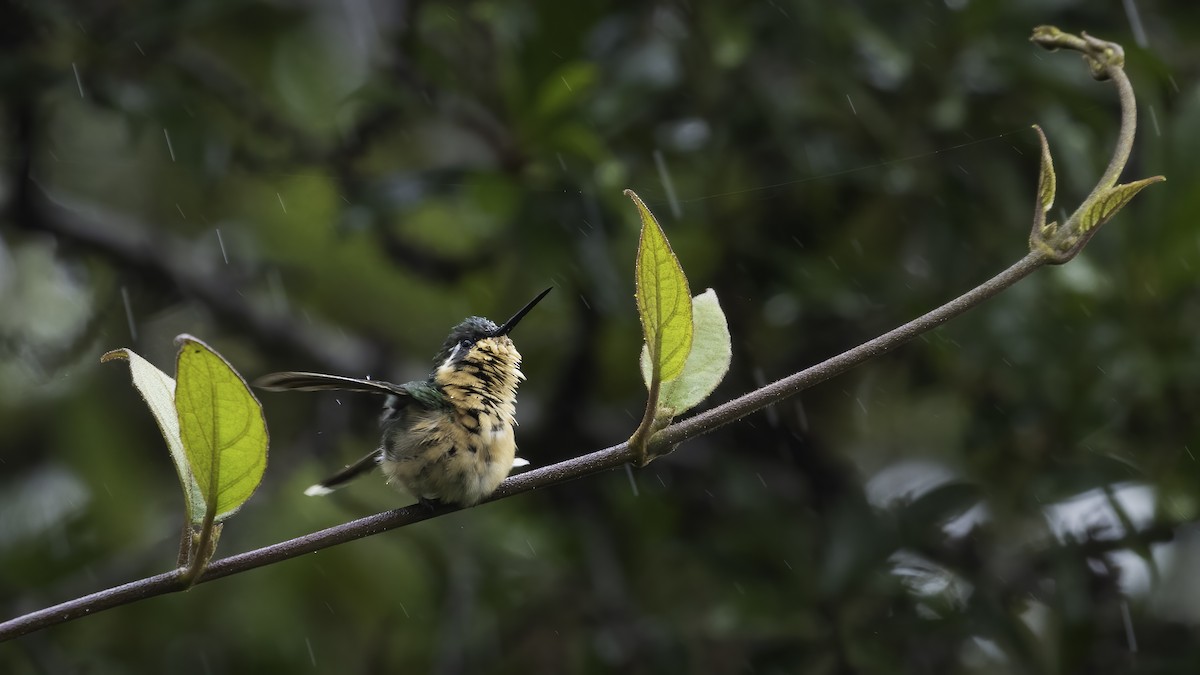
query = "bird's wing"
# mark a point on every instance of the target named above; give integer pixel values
(321, 382)
(409, 399)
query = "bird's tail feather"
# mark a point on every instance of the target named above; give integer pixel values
(346, 475)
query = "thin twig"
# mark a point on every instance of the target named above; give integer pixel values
(1106, 60)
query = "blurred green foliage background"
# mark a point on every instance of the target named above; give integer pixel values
(330, 185)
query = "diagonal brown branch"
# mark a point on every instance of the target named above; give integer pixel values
(554, 474)
(174, 581)
(577, 467)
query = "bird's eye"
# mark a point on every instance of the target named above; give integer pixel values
(465, 343)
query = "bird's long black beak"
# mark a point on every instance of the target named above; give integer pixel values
(516, 318)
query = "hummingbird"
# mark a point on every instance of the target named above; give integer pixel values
(447, 438)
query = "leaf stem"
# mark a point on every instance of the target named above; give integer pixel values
(203, 549)
(640, 440)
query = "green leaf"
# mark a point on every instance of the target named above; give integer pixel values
(158, 390)
(222, 427)
(663, 298)
(1043, 236)
(1046, 180)
(706, 365)
(1108, 203)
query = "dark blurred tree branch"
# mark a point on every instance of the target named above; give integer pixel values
(136, 246)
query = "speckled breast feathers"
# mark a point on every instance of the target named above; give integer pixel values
(460, 451)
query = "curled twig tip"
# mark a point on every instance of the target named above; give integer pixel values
(1101, 56)
(1059, 244)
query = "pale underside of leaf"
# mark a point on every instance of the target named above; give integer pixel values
(707, 363)
(158, 391)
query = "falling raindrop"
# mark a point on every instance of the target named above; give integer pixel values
(281, 204)
(852, 108)
(1154, 121)
(1135, 26)
(277, 291)
(170, 148)
(1129, 636)
(221, 243)
(803, 417)
(668, 184)
(311, 656)
(632, 480)
(129, 313)
(779, 9)
(78, 80)
(772, 413)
